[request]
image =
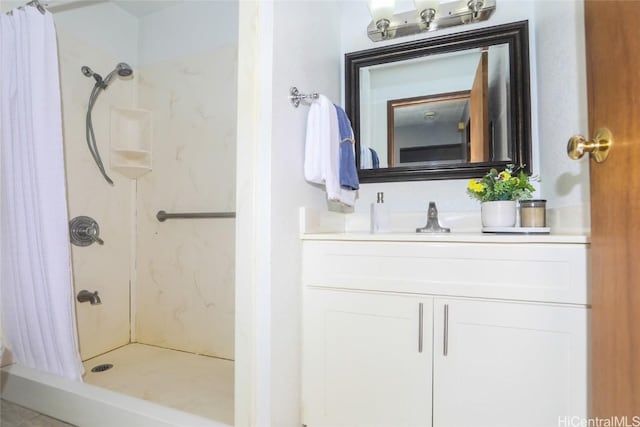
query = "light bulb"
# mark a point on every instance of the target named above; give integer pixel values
(381, 9)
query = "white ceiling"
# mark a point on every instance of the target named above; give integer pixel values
(137, 8)
(142, 8)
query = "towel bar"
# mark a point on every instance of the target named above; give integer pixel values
(296, 97)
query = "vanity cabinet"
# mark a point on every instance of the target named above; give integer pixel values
(506, 364)
(502, 329)
(367, 359)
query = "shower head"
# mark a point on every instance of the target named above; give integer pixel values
(122, 69)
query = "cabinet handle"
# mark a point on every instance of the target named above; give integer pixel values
(445, 346)
(420, 323)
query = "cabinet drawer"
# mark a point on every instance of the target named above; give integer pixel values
(531, 272)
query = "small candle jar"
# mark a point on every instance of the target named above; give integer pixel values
(533, 213)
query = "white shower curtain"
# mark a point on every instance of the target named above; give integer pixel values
(36, 292)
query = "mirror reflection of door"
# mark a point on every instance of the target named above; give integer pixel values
(428, 130)
(444, 128)
(479, 129)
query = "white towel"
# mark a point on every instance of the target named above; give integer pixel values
(366, 159)
(322, 150)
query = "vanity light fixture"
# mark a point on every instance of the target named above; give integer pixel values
(427, 10)
(429, 15)
(381, 12)
(475, 6)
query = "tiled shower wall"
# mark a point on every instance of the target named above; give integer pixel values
(85, 38)
(185, 268)
(169, 284)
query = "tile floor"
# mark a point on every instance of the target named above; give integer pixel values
(16, 416)
(192, 383)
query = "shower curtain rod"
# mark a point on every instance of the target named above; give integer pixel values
(58, 5)
(37, 5)
(32, 3)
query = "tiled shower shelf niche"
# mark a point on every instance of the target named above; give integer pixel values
(131, 133)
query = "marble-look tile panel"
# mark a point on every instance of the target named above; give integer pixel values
(102, 268)
(185, 268)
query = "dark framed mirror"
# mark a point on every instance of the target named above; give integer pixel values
(446, 107)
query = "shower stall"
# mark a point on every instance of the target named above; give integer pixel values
(155, 316)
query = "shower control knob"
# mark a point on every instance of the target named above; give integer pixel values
(84, 231)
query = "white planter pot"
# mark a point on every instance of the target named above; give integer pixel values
(501, 213)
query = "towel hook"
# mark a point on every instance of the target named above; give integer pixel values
(296, 97)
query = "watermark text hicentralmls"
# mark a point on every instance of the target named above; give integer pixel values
(575, 421)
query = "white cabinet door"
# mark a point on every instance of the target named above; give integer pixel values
(362, 361)
(508, 364)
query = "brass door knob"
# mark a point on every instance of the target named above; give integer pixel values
(598, 147)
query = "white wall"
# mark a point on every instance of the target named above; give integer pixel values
(105, 27)
(7, 5)
(306, 42)
(558, 92)
(562, 102)
(296, 43)
(189, 28)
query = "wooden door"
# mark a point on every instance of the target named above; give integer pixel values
(479, 107)
(613, 61)
(362, 363)
(508, 364)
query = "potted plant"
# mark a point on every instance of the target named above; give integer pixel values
(498, 193)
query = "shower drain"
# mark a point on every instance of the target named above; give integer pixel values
(102, 368)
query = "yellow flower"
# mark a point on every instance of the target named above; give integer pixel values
(504, 176)
(476, 186)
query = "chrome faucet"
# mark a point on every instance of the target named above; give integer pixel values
(84, 296)
(433, 225)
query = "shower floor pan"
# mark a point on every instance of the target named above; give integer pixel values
(144, 388)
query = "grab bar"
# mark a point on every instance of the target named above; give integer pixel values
(162, 215)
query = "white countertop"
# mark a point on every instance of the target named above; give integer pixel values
(460, 237)
(319, 225)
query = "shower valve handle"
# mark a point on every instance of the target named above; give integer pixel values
(92, 232)
(84, 231)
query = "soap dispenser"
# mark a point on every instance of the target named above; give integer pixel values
(380, 216)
